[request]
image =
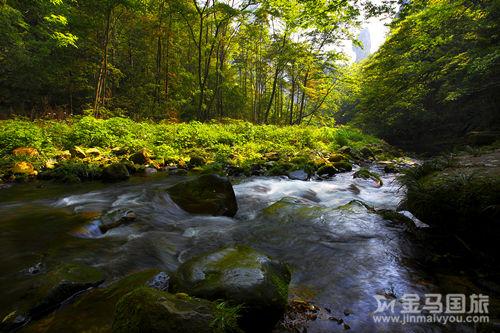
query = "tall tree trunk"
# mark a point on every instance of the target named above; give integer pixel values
(101, 80)
(292, 100)
(303, 99)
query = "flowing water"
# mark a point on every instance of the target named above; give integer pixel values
(341, 253)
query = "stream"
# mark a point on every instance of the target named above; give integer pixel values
(341, 254)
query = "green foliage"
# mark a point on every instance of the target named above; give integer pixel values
(233, 143)
(437, 75)
(20, 133)
(226, 318)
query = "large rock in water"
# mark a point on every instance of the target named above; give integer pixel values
(48, 291)
(154, 311)
(240, 276)
(115, 172)
(207, 194)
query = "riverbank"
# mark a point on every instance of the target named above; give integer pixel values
(111, 150)
(459, 196)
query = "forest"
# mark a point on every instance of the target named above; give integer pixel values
(227, 166)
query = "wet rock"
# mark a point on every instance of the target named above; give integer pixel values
(24, 168)
(150, 310)
(364, 173)
(49, 290)
(177, 171)
(35, 269)
(327, 170)
(25, 151)
(78, 152)
(141, 157)
(93, 309)
(160, 281)
(115, 172)
(150, 171)
(298, 175)
(12, 322)
(238, 275)
(354, 189)
(399, 218)
(115, 219)
(207, 194)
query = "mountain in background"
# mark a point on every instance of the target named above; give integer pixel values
(365, 40)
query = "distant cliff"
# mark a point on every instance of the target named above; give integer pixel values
(365, 39)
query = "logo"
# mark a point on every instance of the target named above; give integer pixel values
(432, 308)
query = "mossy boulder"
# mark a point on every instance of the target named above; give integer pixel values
(327, 170)
(94, 310)
(49, 290)
(240, 276)
(141, 157)
(206, 194)
(364, 173)
(154, 311)
(462, 201)
(115, 172)
(342, 166)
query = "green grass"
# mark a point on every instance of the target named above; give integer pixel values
(232, 143)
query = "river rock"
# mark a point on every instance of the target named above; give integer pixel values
(49, 290)
(78, 152)
(141, 157)
(364, 173)
(25, 151)
(327, 170)
(116, 218)
(150, 171)
(298, 175)
(206, 194)
(154, 311)
(240, 276)
(160, 281)
(342, 166)
(24, 168)
(115, 172)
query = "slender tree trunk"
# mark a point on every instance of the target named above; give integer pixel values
(101, 80)
(303, 99)
(292, 100)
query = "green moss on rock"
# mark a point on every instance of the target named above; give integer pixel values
(150, 310)
(240, 276)
(207, 194)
